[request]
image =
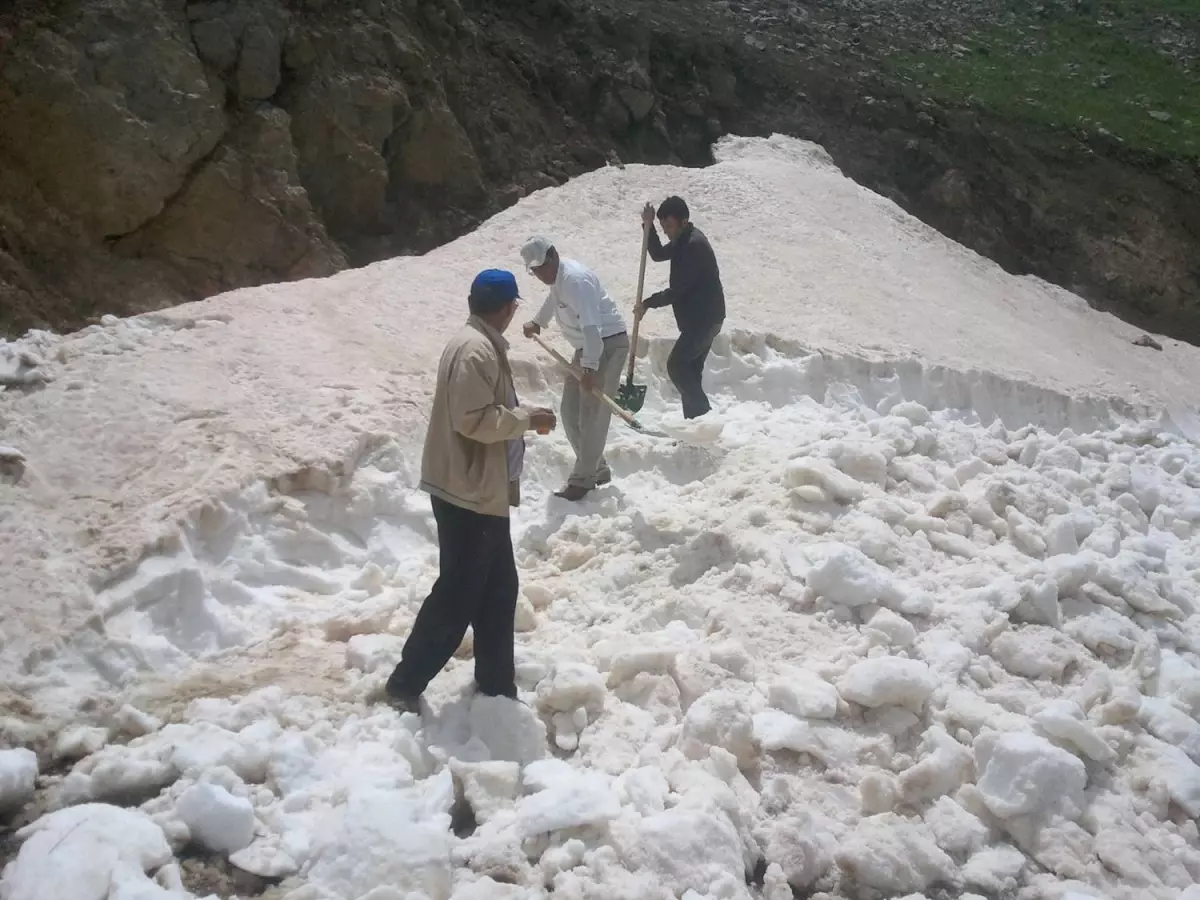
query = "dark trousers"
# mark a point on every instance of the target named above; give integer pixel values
(685, 365)
(476, 586)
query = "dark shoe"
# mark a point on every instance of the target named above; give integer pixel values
(404, 703)
(400, 699)
(573, 492)
(603, 479)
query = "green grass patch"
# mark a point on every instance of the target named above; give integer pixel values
(1092, 69)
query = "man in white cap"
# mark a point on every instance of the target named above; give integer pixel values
(591, 322)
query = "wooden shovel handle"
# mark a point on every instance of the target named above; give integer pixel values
(637, 319)
(579, 377)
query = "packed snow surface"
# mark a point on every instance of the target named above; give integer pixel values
(913, 616)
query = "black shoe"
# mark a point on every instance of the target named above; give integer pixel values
(405, 703)
(604, 479)
(400, 699)
(573, 492)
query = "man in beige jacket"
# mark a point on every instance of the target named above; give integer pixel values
(471, 468)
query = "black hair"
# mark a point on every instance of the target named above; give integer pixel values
(673, 208)
(486, 302)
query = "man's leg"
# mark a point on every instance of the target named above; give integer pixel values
(595, 416)
(464, 565)
(685, 366)
(571, 399)
(492, 624)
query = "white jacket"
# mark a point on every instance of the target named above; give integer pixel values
(586, 314)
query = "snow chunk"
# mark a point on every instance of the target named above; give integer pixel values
(892, 854)
(18, 778)
(801, 847)
(216, 819)
(565, 798)
(804, 694)
(398, 838)
(132, 721)
(943, 771)
(816, 473)
(996, 869)
(957, 831)
(834, 747)
(888, 681)
(685, 848)
(914, 412)
(1171, 724)
(1034, 651)
(487, 786)
(371, 652)
(1064, 719)
(895, 630)
(848, 578)
(719, 719)
(571, 685)
(509, 729)
(1023, 774)
(88, 852)
(76, 742)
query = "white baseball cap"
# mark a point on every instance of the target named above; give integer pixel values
(535, 250)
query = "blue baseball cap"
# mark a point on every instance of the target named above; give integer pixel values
(494, 287)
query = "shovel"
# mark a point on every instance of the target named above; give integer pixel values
(632, 396)
(625, 417)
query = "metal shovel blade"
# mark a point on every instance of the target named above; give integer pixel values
(631, 397)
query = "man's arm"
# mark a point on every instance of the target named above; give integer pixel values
(689, 274)
(657, 251)
(585, 295)
(474, 412)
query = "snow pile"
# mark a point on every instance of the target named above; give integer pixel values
(881, 628)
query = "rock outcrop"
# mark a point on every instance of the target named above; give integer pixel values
(157, 151)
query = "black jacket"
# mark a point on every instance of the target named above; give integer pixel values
(695, 292)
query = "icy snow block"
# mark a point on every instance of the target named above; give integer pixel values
(816, 473)
(571, 685)
(718, 719)
(371, 652)
(1171, 724)
(396, 838)
(566, 798)
(892, 854)
(1064, 719)
(684, 848)
(802, 848)
(888, 681)
(216, 819)
(1023, 774)
(847, 577)
(88, 852)
(18, 778)
(509, 729)
(804, 694)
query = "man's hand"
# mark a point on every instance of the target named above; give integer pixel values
(639, 310)
(588, 380)
(648, 215)
(543, 420)
(532, 328)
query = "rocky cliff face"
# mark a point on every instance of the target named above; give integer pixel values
(155, 151)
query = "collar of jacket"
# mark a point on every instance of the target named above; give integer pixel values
(499, 341)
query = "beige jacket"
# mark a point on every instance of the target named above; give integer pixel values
(466, 458)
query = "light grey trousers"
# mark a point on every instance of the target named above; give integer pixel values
(586, 417)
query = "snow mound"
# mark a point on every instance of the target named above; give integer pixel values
(909, 623)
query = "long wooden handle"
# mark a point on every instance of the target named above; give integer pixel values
(637, 320)
(579, 377)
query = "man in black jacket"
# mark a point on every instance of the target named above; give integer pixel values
(695, 294)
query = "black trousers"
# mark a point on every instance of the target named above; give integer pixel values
(685, 366)
(477, 586)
